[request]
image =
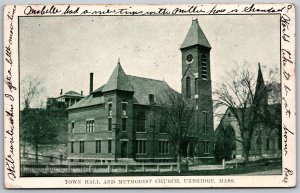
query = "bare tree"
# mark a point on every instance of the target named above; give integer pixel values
(246, 98)
(38, 125)
(30, 90)
(178, 116)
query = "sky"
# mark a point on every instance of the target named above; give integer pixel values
(62, 51)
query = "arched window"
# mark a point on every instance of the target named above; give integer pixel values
(204, 67)
(188, 87)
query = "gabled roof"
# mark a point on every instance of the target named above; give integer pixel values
(195, 36)
(118, 81)
(141, 88)
(71, 93)
(145, 86)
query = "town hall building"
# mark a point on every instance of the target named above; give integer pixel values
(117, 122)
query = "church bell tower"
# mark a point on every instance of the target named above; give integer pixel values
(196, 85)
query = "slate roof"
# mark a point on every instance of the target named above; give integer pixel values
(88, 101)
(273, 114)
(195, 36)
(99, 89)
(141, 87)
(71, 93)
(145, 86)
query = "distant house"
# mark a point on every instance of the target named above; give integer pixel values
(64, 101)
(266, 138)
(116, 121)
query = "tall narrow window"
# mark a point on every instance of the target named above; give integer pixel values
(72, 146)
(109, 124)
(205, 114)
(98, 146)
(93, 125)
(90, 126)
(141, 147)
(196, 85)
(268, 144)
(124, 108)
(81, 147)
(87, 126)
(204, 67)
(72, 127)
(109, 109)
(206, 150)
(163, 147)
(188, 87)
(124, 124)
(141, 121)
(109, 146)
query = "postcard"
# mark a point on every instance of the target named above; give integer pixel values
(149, 96)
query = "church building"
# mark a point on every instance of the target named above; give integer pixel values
(117, 122)
(266, 136)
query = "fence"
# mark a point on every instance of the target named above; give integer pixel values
(97, 168)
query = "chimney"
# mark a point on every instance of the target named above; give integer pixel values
(61, 91)
(91, 82)
(81, 93)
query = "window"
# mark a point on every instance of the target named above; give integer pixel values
(109, 146)
(124, 123)
(141, 147)
(109, 124)
(268, 144)
(109, 109)
(163, 147)
(124, 108)
(141, 122)
(204, 67)
(188, 87)
(72, 146)
(163, 126)
(206, 147)
(151, 99)
(72, 127)
(81, 147)
(90, 126)
(98, 146)
(196, 85)
(205, 114)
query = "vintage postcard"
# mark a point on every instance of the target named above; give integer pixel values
(149, 96)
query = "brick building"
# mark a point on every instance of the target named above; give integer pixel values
(116, 121)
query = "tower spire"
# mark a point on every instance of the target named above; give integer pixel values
(195, 36)
(260, 90)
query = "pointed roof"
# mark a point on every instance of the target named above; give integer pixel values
(195, 36)
(260, 90)
(118, 81)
